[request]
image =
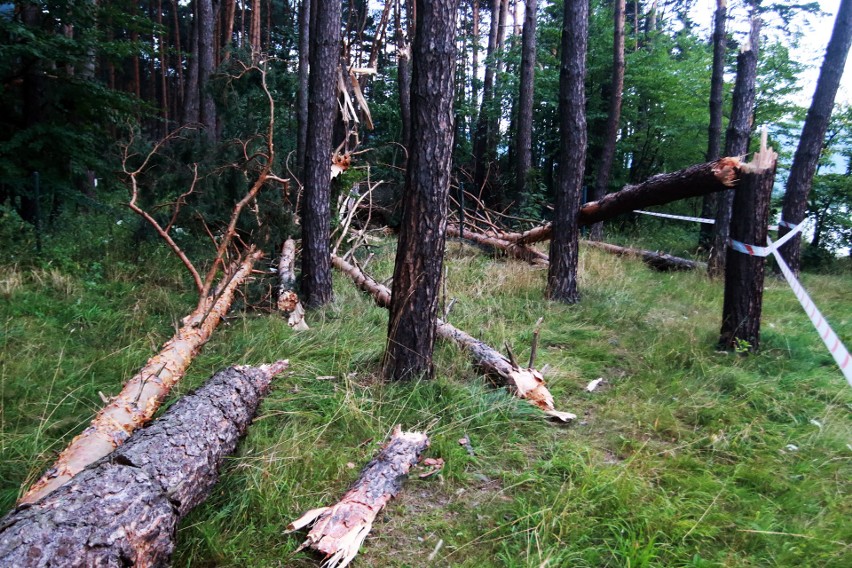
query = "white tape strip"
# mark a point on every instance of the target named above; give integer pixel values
(678, 217)
(755, 250)
(832, 342)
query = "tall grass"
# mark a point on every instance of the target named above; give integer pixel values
(684, 457)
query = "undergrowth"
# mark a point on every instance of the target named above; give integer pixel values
(685, 456)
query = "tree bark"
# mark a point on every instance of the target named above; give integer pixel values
(206, 66)
(339, 531)
(810, 144)
(480, 141)
(744, 273)
(527, 384)
(736, 142)
(302, 93)
(614, 114)
(288, 300)
(523, 142)
(142, 395)
(420, 250)
(124, 510)
(322, 108)
(562, 275)
(714, 130)
(520, 252)
(191, 95)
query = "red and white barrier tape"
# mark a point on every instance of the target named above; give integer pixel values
(755, 250)
(832, 342)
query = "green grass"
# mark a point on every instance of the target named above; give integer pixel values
(679, 459)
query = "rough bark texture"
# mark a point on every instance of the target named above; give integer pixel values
(206, 66)
(614, 114)
(420, 250)
(481, 135)
(322, 108)
(142, 395)
(656, 260)
(714, 130)
(810, 144)
(523, 383)
(693, 181)
(564, 249)
(288, 300)
(339, 531)
(744, 273)
(123, 510)
(302, 93)
(523, 144)
(736, 144)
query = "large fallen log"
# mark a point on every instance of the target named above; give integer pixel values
(124, 510)
(515, 250)
(288, 300)
(656, 260)
(701, 179)
(527, 384)
(142, 395)
(339, 531)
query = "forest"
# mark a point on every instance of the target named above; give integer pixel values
(416, 283)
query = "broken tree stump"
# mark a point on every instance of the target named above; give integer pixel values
(288, 300)
(124, 510)
(144, 392)
(701, 179)
(744, 272)
(527, 384)
(656, 260)
(338, 531)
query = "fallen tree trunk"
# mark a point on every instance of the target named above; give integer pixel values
(515, 250)
(142, 395)
(339, 531)
(527, 384)
(701, 179)
(656, 260)
(288, 300)
(124, 510)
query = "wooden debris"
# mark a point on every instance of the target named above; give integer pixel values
(288, 300)
(124, 510)
(656, 260)
(339, 531)
(142, 395)
(519, 251)
(527, 384)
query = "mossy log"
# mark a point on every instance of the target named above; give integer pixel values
(124, 509)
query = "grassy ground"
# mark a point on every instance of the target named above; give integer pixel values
(685, 457)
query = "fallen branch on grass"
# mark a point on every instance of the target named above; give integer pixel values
(527, 384)
(339, 531)
(142, 395)
(656, 260)
(124, 510)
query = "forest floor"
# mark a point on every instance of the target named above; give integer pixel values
(684, 456)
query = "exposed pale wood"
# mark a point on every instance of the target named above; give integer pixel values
(142, 395)
(338, 531)
(123, 510)
(288, 300)
(527, 384)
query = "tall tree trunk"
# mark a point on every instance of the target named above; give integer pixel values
(178, 94)
(810, 144)
(191, 98)
(714, 130)
(302, 93)
(614, 115)
(523, 145)
(420, 251)
(228, 28)
(564, 247)
(124, 511)
(736, 142)
(403, 46)
(254, 30)
(480, 142)
(322, 108)
(744, 272)
(164, 70)
(206, 65)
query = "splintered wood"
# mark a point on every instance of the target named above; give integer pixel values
(142, 395)
(338, 531)
(288, 300)
(527, 384)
